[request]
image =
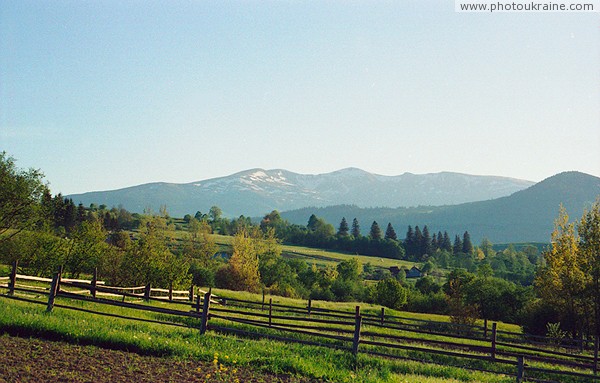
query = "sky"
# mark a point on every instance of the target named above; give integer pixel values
(102, 95)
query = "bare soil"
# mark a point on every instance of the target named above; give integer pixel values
(37, 360)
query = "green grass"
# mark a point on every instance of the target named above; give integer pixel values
(324, 257)
(262, 355)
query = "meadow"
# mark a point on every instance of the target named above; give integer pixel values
(178, 338)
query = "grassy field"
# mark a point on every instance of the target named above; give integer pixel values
(350, 306)
(324, 257)
(262, 356)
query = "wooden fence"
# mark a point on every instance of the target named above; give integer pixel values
(380, 334)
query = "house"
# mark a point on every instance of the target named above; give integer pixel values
(414, 272)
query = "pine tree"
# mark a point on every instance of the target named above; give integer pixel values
(355, 228)
(467, 246)
(312, 222)
(343, 230)
(390, 233)
(446, 244)
(418, 245)
(457, 245)
(409, 242)
(426, 245)
(434, 242)
(375, 232)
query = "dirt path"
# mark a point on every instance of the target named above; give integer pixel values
(35, 360)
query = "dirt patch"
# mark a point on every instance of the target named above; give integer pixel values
(36, 360)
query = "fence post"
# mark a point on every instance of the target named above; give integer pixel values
(60, 271)
(13, 278)
(54, 288)
(191, 296)
(198, 303)
(309, 307)
(382, 315)
(94, 283)
(596, 355)
(520, 369)
(494, 340)
(270, 311)
(357, 323)
(171, 292)
(263, 301)
(205, 308)
(147, 289)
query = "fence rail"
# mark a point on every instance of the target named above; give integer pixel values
(374, 334)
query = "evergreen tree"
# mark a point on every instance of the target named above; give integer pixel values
(446, 244)
(355, 228)
(312, 222)
(418, 245)
(457, 245)
(409, 242)
(343, 230)
(426, 245)
(434, 242)
(390, 233)
(80, 213)
(467, 246)
(375, 232)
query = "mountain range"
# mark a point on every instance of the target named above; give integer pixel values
(256, 192)
(498, 208)
(524, 216)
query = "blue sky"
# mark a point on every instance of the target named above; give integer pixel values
(108, 94)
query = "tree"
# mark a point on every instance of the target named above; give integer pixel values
(349, 269)
(215, 213)
(355, 228)
(199, 249)
(467, 246)
(426, 247)
(343, 230)
(446, 243)
(312, 222)
(271, 220)
(458, 246)
(244, 264)
(561, 282)
(456, 289)
(375, 232)
(88, 245)
(390, 293)
(390, 233)
(409, 242)
(21, 193)
(486, 247)
(589, 232)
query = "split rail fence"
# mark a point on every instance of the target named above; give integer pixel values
(379, 334)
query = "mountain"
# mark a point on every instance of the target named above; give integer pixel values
(256, 192)
(524, 216)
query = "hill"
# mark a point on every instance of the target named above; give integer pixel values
(524, 216)
(255, 192)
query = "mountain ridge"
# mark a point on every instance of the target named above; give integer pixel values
(256, 191)
(524, 216)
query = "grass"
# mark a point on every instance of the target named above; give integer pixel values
(261, 355)
(324, 257)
